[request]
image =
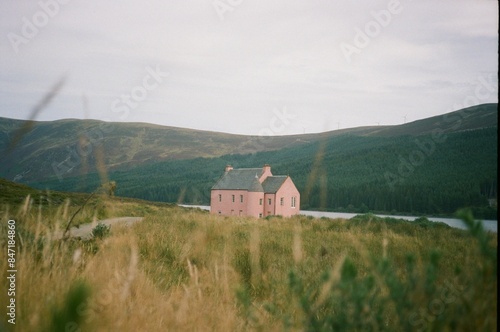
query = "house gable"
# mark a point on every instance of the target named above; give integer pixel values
(287, 199)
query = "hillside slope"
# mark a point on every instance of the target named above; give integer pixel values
(73, 147)
(433, 173)
(38, 151)
(13, 194)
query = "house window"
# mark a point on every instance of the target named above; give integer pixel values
(220, 198)
(269, 201)
(293, 201)
(260, 201)
(268, 213)
(260, 215)
(241, 198)
(241, 212)
(233, 198)
(220, 212)
(232, 212)
(282, 201)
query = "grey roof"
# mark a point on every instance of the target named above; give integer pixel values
(272, 183)
(247, 179)
(256, 186)
(238, 179)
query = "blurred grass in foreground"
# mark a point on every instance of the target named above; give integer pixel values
(184, 269)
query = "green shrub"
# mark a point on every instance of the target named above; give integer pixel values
(67, 316)
(101, 230)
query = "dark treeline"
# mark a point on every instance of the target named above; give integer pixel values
(405, 174)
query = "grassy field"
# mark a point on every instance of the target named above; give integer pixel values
(184, 269)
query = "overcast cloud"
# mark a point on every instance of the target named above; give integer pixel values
(234, 65)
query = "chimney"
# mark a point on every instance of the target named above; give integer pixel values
(228, 168)
(266, 171)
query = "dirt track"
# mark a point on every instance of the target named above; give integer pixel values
(85, 231)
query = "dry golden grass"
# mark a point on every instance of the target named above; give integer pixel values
(184, 269)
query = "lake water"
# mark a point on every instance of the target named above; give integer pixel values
(489, 225)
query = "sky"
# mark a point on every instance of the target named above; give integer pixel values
(248, 67)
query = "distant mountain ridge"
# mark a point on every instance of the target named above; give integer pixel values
(69, 147)
(431, 166)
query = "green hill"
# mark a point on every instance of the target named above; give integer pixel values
(452, 164)
(12, 193)
(65, 148)
(38, 151)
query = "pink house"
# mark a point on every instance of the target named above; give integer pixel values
(254, 192)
